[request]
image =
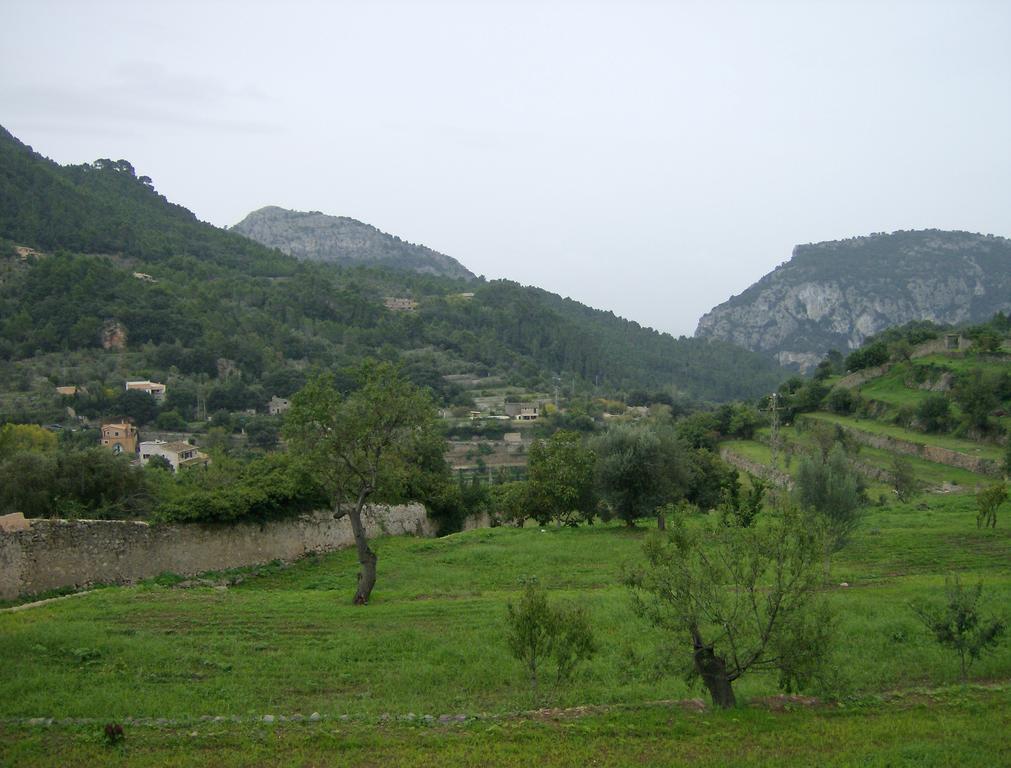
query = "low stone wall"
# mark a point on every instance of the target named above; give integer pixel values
(933, 453)
(777, 477)
(858, 378)
(75, 553)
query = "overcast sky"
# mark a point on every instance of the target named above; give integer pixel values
(647, 158)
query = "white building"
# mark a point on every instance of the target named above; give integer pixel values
(178, 454)
(153, 388)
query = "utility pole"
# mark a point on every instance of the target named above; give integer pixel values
(774, 440)
(201, 397)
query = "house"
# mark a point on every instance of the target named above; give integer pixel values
(278, 405)
(153, 388)
(121, 437)
(24, 253)
(523, 411)
(178, 454)
(398, 304)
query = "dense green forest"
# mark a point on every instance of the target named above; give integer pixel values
(255, 321)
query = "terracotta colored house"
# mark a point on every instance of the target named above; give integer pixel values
(120, 437)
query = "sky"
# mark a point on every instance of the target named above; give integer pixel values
(647, 158)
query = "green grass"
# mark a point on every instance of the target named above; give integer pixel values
(962, 363)
(288, 641)
(965, 727)
(891, 389)
(750, 449)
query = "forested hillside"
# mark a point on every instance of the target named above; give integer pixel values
(182, 298)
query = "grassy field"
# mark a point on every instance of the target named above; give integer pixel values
(287, 642)
(953, 726)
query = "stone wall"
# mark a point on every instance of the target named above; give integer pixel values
(777, 477)
(932, 453)
(861, 377)
(75, 553)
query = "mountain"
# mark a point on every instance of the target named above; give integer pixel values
(834, 295)
(127, 283)
(315, 236)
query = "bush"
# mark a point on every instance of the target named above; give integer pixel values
(271, 487)
(869, 356)
(934, 413)
(170, 421)
(959, 623)
(841, 401)
(541, 635)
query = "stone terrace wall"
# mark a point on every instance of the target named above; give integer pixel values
(932, 453)
(76, 553)
(777, 477)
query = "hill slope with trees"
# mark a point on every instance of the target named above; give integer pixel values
(120, 265)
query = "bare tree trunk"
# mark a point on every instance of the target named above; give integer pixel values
(661, 523)
(366, 557)
(713, 671)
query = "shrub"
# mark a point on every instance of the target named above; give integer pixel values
(841, 401)
(541, 635)
(934, 413)
(959, 623)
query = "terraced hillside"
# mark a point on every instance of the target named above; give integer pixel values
(943, 414)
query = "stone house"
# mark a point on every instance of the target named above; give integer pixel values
(523, 411)
(400, 304)
(278, 405)
(178, 454)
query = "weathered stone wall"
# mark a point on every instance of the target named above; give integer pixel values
(932, 453)
(858, 378)
(75, 553)
(777, 477)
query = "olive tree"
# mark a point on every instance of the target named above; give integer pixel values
(640, 469)
(541, 635)
(561, 480)
(831, 489)
(371, 443)
(959, 623)
(739, 599)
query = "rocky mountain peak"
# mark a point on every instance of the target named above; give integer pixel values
(833, 295)
(316, 236)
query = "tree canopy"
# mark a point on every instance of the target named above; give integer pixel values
(373, 443)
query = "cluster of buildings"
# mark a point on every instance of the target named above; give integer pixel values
(123, 438)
